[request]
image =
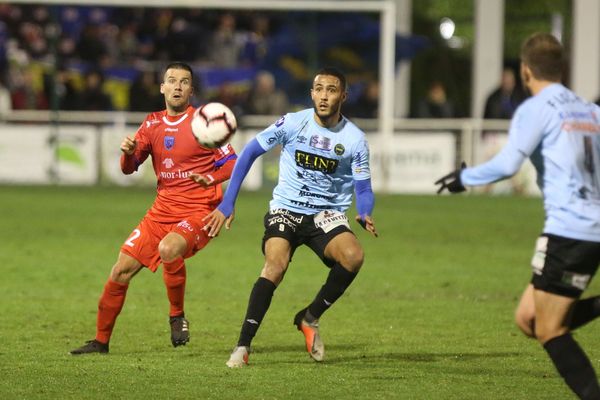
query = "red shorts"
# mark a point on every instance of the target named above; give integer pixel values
(143, 242)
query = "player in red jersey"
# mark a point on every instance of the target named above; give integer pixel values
(188, 188)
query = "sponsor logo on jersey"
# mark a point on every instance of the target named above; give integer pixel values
(320, 142)
(310, 205)
(171, 129)
(316, 162)
(282, 222)
(169, 142)
(168, 163)
(284, 218)
(301, 139)
(280, 121)
(151, 122)
(307, 193)
(282, 211)
(186, 225)
(580, 281)
(179, 174)
(339, 149)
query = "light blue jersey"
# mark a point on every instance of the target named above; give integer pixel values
(317, 166)
(559, 132)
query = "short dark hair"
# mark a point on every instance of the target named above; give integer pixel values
(543, 54)
(334, 72)
(180, 65)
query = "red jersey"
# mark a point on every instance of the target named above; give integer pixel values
(175, 155)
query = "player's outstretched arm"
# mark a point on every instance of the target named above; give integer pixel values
(215, 220)
(451, 181)
(365, 202)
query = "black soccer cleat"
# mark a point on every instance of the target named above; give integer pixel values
(91, 346)
(180, 333)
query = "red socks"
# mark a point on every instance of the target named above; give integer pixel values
(110, 305)
(174, 277)
(113, 297)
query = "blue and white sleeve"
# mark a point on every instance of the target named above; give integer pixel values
(249, 154)
(524, 136)
(276, 133)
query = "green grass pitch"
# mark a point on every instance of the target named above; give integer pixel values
(429, 316)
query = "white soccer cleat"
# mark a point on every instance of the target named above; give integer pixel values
(239, 357)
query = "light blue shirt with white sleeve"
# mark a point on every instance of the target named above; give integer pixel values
(560, 133)
(318, 165)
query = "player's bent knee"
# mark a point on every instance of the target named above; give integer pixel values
(167, 251)
(352, 258)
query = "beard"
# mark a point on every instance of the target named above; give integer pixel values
(177, 106)
(324, 116)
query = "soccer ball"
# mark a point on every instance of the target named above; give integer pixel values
(213, 125)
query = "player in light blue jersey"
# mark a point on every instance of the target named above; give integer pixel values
(559, 132)
(324, 159)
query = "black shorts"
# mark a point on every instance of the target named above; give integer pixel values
(564, 266)
(315, 231)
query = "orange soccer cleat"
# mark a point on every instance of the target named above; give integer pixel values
(314, 344)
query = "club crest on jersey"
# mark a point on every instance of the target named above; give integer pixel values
(339, 149)
(169, 142)
(320, 142)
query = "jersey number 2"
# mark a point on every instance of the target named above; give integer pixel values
(136, 234)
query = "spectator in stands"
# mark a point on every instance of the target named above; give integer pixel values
(367, 104)
(265, 98)
(143, 93)
(436, 103)
(69, 97)
(255, 46)
(60, 89)
(232, 96)
(26, 92)
(91, 47)
(92, 97)
(226, 43)
(502, 102)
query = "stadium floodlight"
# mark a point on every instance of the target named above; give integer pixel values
(385, 8)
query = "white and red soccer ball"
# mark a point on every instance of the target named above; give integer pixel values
(213, 125)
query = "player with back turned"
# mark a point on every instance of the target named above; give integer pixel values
(188, 188)
(559, 132)
(324, 158)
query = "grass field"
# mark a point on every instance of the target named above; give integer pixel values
(429, 316)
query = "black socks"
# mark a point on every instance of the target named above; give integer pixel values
(584, 311)
(574, 366)
(260, 300)
(337, 282)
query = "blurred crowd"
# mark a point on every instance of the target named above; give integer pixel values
(110, 58)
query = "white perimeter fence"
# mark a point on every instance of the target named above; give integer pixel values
(82, 148)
